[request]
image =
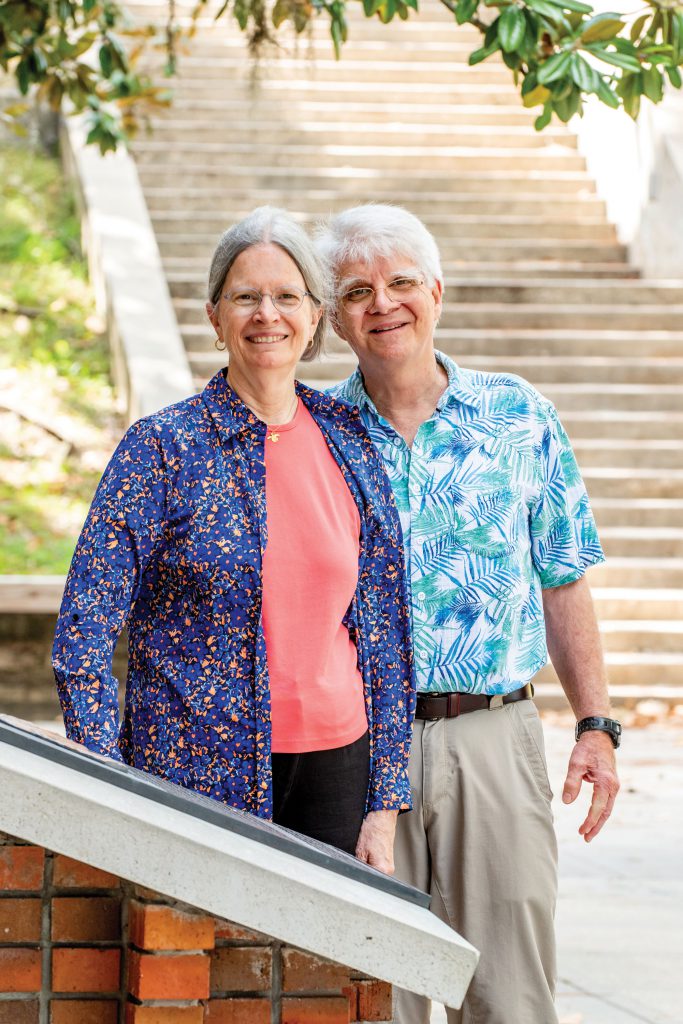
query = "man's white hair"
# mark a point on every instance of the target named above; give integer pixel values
(375, 231)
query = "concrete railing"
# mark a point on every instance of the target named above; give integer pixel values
(638, 170)
(149, 363)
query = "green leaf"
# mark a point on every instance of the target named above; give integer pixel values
(618, 60)
(465, 10)
(106, 61)
(675, 77)
(539, 94)
(479, 55)
(606, 95)
(583, 74)
(413, 4)
(554, 67)
(653, 84)
(511, 28)
(543, 120)
(573, 5)
(602, 28)
(336, 33)
(638, 26)
(546, 9)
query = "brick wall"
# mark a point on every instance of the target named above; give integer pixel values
(80, 946)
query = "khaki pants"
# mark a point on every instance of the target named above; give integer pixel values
(480, 839)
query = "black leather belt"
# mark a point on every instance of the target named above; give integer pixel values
(449, 705)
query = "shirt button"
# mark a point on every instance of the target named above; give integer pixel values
(421, 596)
(397, 442)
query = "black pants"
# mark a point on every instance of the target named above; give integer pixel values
(322, 793)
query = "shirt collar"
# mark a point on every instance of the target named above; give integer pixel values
(231, 416)
(458, 388)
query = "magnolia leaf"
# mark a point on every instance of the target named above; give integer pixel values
(583, 74)
(602, 28)
(638, 26)
(539, 94)
(511, 28)
(554, 67)
(543, 120)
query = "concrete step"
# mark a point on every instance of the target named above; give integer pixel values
(551, 268)
(638, 572)
(566, 292)
(372, 107)
(615, 452)
(649, 542)
(195, 156)
(580, 316)
(195, 68)
(641, 513)
(617, 397)
(200, 207)
(636, 669)
(259, 125)
(549, 696)
(636, 603)
(348, 180)
(192, 253)
(456, 228)
(643, 635)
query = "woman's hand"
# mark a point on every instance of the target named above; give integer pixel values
(375, 843)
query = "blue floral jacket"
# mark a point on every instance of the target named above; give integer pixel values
(173, 547)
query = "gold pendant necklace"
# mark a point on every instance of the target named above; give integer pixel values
(272, 435)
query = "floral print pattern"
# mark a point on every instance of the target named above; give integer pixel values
(172, 547)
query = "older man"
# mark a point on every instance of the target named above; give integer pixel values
(498, 535)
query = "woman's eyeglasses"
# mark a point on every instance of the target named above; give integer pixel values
(285, 300)
(401, 289)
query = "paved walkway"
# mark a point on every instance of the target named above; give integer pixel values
(620, 911)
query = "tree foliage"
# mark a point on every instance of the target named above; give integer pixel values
(558, 51)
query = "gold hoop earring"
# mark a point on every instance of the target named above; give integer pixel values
(219, 344)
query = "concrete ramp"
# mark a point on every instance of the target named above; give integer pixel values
(228, 863)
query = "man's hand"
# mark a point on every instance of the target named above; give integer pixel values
(593, 760)
(375, 843)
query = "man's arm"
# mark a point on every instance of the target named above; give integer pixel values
(576, 653)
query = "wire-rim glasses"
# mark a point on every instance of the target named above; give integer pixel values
(399, 289)
(285, 299)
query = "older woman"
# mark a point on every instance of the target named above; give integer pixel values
(248, 538)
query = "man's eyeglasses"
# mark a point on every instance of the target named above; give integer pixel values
(285, 300)
(400, 289)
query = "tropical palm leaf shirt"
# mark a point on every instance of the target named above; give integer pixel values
(493, 510)
(172, 547)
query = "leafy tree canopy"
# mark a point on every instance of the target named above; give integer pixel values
(558, 51)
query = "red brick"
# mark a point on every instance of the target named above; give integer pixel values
(86, 970)
(159, 927)
(20, 920)
(241, 969)
(351, 993)
(315, 1010)
(86, 919)
(165, 1014)
(16, 1011)
(230, 930)
(84, 1011)
(21, 867)
(20, 970)
(185, 976)
(72, 874)
(374, 1000)
(303, 972)
(238, 1011)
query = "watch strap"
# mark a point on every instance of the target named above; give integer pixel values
(600, 724)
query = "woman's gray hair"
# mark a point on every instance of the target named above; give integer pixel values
(375, 231)
(268, 224)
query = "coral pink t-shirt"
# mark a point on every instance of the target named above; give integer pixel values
(310, 573)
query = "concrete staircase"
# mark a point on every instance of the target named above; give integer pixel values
(537, 282)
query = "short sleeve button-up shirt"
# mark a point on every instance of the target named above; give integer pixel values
(493, 510)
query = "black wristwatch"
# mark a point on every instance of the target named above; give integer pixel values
(608, 725)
